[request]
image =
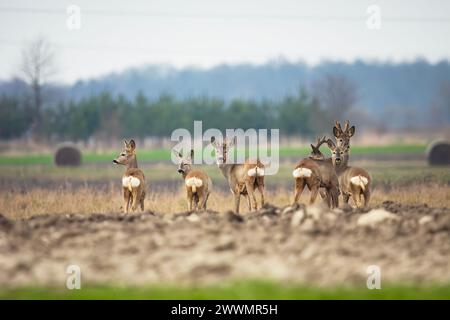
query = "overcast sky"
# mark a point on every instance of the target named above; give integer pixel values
(115, 35)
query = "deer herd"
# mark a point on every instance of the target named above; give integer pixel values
(327, 177)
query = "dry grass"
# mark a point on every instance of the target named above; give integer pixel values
(88, 200)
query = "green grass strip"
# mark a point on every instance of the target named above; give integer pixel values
(164, 154)
(236, 290)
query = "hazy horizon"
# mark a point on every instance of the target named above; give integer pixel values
(115, 36)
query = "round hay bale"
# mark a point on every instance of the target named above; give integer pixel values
(68, 155)
(438, 153)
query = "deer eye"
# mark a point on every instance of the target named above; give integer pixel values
(123, 154)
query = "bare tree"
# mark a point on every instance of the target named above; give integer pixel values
(336, 94)
(37, 66)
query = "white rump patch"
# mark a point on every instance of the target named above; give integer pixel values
(194, 182)
(302, 173)
(256, 172)
(130, 182)
(359, 180)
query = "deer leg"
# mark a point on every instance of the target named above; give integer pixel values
(196, 199)
(200, 201)
(323, 193)
(204, 202)
(314, 192)
(142, 200)
(134, 198)
(329, 199)
(190, 200)
(345, 197)
(237, 200)
(299, 186)
(355, 195)
(336, 193)
(261, 192)
(360, 203)
(251, 193)
(249, 204)
(126, 200)
(366, 197)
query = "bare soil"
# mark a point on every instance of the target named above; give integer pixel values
(292, 244)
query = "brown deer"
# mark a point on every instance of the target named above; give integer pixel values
(133, 180)
(317, 172)
(242, 178)
(306, 173)
(353, 181)
(198, 184)
(343, 136)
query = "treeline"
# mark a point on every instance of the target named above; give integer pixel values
(107, 117)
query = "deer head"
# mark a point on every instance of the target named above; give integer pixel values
(128, 156)
(343, 136)
(339, 155)
(185, 163)
(222, 149)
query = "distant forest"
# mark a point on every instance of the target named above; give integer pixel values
(298, 99)
(107, 118)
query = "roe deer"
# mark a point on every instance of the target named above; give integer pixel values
(353, 181)
(133, 180)
(306, 173)
(198, 184)
(343, 136)
(242, 178)
(317, 172)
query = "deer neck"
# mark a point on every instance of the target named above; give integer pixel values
(132, 163)
(225, 168)
(185, 173)
(342, 167)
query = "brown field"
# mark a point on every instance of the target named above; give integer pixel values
(50, 218)
(88, 200)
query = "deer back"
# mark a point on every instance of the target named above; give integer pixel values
(327, 172)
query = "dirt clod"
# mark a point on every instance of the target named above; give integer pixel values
(295, 244)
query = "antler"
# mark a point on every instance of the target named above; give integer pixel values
(347, 126)
(320, 141)
(338, 125)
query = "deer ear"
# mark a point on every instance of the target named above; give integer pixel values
(125, 143)
(132, 144)
(336, 132)
(351, 131)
